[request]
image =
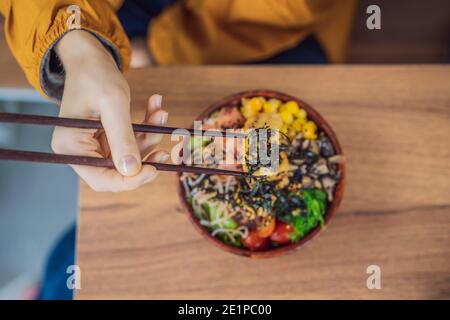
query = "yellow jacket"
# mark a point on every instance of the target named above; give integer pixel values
(188, 32)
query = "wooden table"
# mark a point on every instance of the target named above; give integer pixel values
(394, 125)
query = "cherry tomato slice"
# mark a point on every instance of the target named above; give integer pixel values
(266, 230)
(281, 233)
(255, 242)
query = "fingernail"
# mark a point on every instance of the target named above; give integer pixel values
(158, 100)
(129, 165)
(150, 176)
(164, 118)
(164, 158)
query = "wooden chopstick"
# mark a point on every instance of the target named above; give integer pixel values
(19, 155)
(96, 124)
(32, 156)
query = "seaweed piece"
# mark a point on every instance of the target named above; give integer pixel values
(315, 201)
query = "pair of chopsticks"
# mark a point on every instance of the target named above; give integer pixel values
(31, 156)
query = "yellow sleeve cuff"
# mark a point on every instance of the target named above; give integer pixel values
(32, 42)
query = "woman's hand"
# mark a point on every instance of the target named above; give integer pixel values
(95, 89)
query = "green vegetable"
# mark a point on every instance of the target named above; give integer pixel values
(230, 224)
(211, 210)
(315, 201)
(226, 239)
(197, 142)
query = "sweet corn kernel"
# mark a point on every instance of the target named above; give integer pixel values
(297, 125)
(262, 99)
(271, 106)
(291, 107)
(275, 121)
(301, 114)
(276, 101)
(247, 111)
(310, 130)
(284, 129)
(256, 104)
(287, 117)
(262, 120)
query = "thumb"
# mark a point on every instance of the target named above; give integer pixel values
(116, 121)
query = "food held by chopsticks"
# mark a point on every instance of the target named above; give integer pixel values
(30, 156)
(267, 208)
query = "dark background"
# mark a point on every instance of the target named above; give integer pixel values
(413, 31)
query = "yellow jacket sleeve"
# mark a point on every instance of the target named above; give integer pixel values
(232, 31)
(33, 27)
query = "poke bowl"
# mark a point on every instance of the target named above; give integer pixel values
(264, 215)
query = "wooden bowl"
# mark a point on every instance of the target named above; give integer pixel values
(235, 100)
